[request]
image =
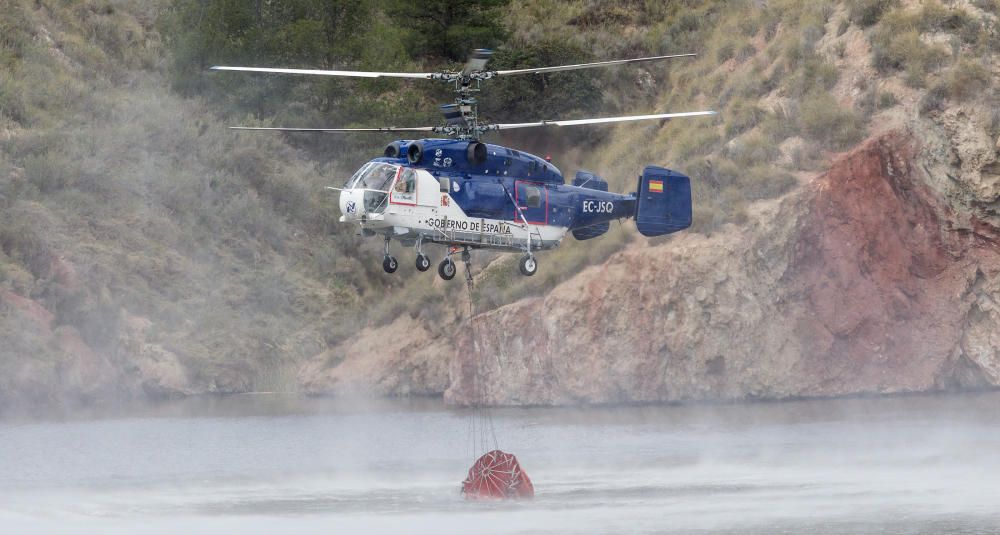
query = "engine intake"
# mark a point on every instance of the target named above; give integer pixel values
(415, 152)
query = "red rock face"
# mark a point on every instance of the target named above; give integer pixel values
(882, 275)
(855, 284)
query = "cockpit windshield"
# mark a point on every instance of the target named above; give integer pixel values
(374, 175)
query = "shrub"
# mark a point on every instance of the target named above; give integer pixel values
(810, 36)
(23, 232)
(745, 52)
(752, 149)
(779, 125)
(725, 52)
(887, 99)
(765, 182)
(933, 99)
(824, 120)
(49, 171)
(905, 51)
(742, 115)
(751, 84)
(966, 79)
(15, 36)
(989, 6)
(936, 17)
(867, 103)
(749, 26)
(868, 12)
(245, 212)
(771, 28)
(697, 140)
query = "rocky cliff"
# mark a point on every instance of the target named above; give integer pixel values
(864, 281)
(878, 276)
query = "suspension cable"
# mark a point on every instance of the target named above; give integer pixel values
(481, 411)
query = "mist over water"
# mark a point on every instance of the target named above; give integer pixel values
(279, 464)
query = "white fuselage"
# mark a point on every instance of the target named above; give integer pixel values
(410, 204)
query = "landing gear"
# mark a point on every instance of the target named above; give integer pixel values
(389, 264)
(447, 269)
(528, 265)
(423, 263)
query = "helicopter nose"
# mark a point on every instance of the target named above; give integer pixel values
(351, 205)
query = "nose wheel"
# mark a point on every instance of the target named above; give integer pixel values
(528, 265)
(447, 269)
(389, 263)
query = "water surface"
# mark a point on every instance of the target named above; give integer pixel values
(282, 464)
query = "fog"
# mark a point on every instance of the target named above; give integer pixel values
(262, 464)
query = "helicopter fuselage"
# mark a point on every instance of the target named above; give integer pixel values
(470, 195)
(466, 193)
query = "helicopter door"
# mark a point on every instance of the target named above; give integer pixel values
(533, 200)
(428, 189)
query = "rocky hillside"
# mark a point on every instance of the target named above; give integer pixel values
(880, 273)
(846, 219)
(144, 249)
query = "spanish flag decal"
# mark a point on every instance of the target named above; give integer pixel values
(656, 185)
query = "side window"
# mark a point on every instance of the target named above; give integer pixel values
(407, 182)
(410, 176)
(445, 184)
(533, 196)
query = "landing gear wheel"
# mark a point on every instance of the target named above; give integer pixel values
(389, 264)
(447, 269)
(528, 265)
(423, 263)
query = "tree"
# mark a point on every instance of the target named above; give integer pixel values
(449, 29)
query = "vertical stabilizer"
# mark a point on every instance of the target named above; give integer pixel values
(663, 202)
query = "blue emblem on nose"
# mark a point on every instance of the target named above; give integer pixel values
(351, 207)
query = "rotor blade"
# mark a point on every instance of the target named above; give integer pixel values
(344, 130)
(540, 70)
(601, 120)
(352, 74)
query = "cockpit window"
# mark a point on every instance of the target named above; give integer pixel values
(376, 176)
(357, 174)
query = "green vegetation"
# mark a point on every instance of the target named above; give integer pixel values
(826, 122)
(966, 79)
(868, 12)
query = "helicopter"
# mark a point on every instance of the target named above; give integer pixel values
(465, 194)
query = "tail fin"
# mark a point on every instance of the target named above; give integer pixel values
(663, 202)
